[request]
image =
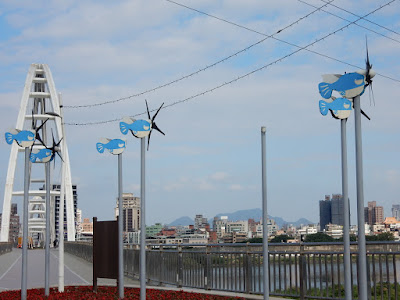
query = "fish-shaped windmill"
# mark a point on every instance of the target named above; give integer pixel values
(348, 85)
(115, 146)
(24, 138)
(141, 128)
(43, 155)
(46, 154)
(340, 107)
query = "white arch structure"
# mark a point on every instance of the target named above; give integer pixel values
(39, 97)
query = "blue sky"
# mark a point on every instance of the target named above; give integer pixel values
(209, 161)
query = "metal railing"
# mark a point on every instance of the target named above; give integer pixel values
(5, 247)
(305, 271)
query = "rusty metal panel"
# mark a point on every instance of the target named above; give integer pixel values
(105, 249)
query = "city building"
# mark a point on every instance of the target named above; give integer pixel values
(57, 187)
(337, 207)
(153, 230)
(373, 214)
(200, 222)
(219, 226)
(87, 227)
(396, 211)
(15, 226)
(331, 211)
(325, 212)
(131, 212)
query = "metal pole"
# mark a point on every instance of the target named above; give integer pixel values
(120, 232)
(362, 254)
(142, 222)
(47, 240)
(265, 216)
(346, 214)
(24, 272)
(61, 208)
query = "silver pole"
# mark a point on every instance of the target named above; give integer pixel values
(120, 232)
(61, 208)
(265, 216)
(24, 272)
(362, 254)
(142, 222)
(47, 240)
(346, 214)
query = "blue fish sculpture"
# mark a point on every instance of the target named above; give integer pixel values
(24, 138)
(340, 108)
(139, 128)
(41, 156)
(115, 146)
(348, 85)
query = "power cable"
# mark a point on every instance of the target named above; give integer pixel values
(202, 69)
(249, 73)
(344, 19)
(349, 12)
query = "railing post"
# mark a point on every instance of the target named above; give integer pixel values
(161, 274)
(248, 268)
(303, 273)
(207, 268)
(179, 275)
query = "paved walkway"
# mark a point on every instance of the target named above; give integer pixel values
(76, 272)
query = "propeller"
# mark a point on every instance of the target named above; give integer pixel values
(153, 124)
(55, 148)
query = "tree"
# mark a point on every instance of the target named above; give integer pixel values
(283, 238)
(384, 236)
(318, 237)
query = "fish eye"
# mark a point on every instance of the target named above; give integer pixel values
(358, 82)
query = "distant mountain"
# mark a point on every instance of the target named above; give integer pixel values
(254, 213)
(182, 221)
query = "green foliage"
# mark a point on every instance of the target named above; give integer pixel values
(384, 236)
(283, 238)
(353, 238)
(254, 240)
(318, 237)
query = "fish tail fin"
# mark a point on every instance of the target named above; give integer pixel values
(325, 90)
(323, 107)
(32, 158)
(9, 138)
(100, 147)
(123, 127)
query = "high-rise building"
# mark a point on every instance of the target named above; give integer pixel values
(14, 225)
(200, 222)
(57, 187)
(396, 211)
(131, 212)
(373, 214)
(337, 209)
(325, 207)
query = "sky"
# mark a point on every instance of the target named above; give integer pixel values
(221, 78)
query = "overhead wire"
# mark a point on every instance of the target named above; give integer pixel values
(369, 21)
(202, 69)
(234, 54)
(344, 19)
(251, 72)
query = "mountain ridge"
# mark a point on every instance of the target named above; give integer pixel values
(245, 214)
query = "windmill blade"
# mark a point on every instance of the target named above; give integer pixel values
(154, 126)
(148, 141)
(148, 112)
(368, 66)
(60, 156)
(365, 115)
(157, 112)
